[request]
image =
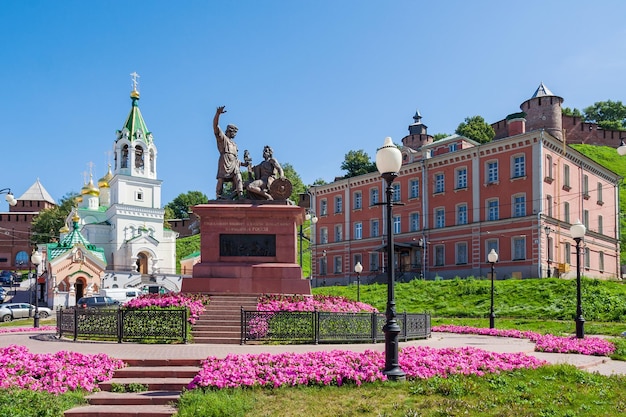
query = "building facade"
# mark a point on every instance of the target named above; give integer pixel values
(518, 195)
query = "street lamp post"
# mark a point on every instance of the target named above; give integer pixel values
(492, 257)
(313, 220)
(36, 260)
(9, 198)
(388, 163)
(578, 230)
(358, 268)
(548, 251)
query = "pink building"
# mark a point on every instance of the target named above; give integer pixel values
(518, 194)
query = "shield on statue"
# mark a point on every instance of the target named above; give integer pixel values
(280, 189)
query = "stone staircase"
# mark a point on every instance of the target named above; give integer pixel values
(221, 322)
(164, 379)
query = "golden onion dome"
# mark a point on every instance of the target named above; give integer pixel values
(78, 199)
(90, 189)
(64, 229)
(104, 181)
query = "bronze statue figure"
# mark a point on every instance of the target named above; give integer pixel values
(228, 163)
(265, 174)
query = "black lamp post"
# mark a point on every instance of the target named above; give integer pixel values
(549, 251)
(358, 268)
(36, 260)
(492, 257)
(388, 163)
(313, 220)
(578, 230)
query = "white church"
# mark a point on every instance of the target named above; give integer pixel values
(122, 214)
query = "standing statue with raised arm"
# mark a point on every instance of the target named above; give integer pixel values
(228, 164)
(265, 174)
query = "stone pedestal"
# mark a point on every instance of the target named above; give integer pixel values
(248, 248)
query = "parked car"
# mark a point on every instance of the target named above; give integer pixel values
(97, 301)
(6, 277)
(3, 294)
(12, 311)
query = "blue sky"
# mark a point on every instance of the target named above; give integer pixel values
(312, 79)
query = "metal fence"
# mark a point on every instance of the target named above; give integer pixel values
(123, 324)
(324, 327)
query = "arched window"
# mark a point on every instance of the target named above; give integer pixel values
(152, 161)
(138, 157)
(124, 163)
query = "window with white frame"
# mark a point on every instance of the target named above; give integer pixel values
(440, 218)
(548, 168)
(493, 209)
(452, 147)
(491, 244)
(397, 224)
(396, 192)
(439, 183)
(338, 233)
(414, 186)
(358, 230)
(586, 218)
(599, 188)
(568, 253)
(323, 266)
(374, 228)
(586, 186)
(519, 248)
(439, 255)
(358, 200)
(601, 261)
(415, 222)
(492, 172)
(587, 257)
(461, 253)
(549, 205)
(373, 196)
(566, 212)
(519, 166)
(337, 263)
(323, 207)
(461, 178)
(519, 205)
(323, 235)
(374, 261)
(338, 204)
(461, 214)
(566, 183)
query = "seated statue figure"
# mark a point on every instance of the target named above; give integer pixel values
(265, 174)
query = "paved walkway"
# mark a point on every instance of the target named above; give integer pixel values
(46, 342)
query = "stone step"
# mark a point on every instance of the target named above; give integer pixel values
(122, 411)
(218, 340)
(158, 372)
(133, 398)
(151, 384)
(162, 362)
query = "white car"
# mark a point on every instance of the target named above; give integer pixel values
(11, 311)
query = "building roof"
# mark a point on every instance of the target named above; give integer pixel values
(134, 122)
(36, 192)
(542, 91)
(71, 240)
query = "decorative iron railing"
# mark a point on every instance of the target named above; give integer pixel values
(324, 327)
(124, 324)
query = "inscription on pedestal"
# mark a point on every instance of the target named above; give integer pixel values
(247, 245)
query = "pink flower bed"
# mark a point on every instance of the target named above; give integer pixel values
(339, 367)
(56, 372)
(272, 302)
(194, 304)
(543, 343)
(26, 329)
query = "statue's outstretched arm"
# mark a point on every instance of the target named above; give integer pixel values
(216, 119)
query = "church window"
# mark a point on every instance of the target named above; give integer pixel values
(139, 196)
(124, 163)
(138, 157)
(152, 160)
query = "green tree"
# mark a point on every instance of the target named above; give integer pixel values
(477, 129)
(571, 112)
(357, 163)
(439, 136)
(46, 225)
(320, 181)
(610, 115)
(297, 186)
(180, 205)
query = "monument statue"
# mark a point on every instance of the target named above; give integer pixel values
(228, 163)
(270, 182)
